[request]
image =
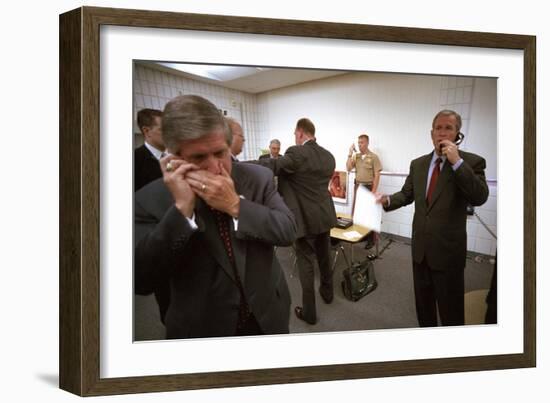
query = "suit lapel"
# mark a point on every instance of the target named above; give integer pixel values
(159, 200)
(207, 224)
(149, 155)
(424, 166)
(239, 246)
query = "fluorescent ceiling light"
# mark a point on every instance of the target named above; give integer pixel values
(217, 73)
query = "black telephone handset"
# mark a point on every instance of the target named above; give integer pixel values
(458, 139)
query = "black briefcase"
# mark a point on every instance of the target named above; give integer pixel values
(359, 280)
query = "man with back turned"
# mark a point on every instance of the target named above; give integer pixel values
(304, 173)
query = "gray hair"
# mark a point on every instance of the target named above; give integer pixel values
(189, 117)
(275, 141)
(448, 112)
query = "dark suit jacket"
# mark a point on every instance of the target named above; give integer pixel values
(304, 173)
(146, 167)
(439, 230)
(204, 293)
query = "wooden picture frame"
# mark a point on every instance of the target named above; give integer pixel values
(80, 200)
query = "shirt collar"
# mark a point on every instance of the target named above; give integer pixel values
(435, 156)
(157, 153)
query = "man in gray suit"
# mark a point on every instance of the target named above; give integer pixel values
(208, 228)
(304, 173)
(441, 184)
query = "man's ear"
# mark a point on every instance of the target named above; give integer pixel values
(145, 130)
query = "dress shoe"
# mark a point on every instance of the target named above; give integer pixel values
(369, 245)
(325, 296)
(299, 311)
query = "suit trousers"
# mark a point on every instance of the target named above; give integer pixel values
(309, 249)
(438, 291)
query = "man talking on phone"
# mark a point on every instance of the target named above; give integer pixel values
(208, 230)
(441, 184)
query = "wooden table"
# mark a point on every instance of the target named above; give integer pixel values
(339, 234)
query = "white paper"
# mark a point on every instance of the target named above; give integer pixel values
(367, 213)
(352, 234)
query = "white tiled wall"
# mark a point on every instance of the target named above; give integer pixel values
(456, 93)
(154, 88)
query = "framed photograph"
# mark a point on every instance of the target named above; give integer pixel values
(98, 51)
(338, 186)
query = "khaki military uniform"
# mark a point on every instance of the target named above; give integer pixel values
(365, 167)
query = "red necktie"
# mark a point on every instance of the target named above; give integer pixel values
(222, 220)
(433, 181)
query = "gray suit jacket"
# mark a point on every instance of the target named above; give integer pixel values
(204, 293)
(304, 173)
(439, 230)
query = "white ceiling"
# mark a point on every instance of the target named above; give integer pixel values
(253, 80)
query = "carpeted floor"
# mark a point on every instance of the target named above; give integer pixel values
(390, 306)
